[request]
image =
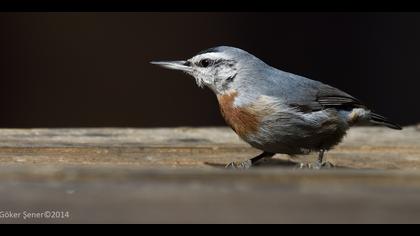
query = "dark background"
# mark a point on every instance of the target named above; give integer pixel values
(91, 69)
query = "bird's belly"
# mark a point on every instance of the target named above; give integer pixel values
(297, 135)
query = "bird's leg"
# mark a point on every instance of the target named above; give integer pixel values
(321, 156)
(325, 164)
(248, 163)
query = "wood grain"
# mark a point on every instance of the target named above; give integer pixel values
(175, 175)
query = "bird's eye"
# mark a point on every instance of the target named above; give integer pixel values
(204, 63)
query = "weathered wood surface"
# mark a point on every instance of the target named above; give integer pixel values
(176, 176)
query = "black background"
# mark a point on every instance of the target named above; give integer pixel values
(91, 69)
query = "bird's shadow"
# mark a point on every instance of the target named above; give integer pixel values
(272, 163)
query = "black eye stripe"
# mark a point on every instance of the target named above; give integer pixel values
(209, 62)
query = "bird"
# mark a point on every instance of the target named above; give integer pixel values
(275, 111)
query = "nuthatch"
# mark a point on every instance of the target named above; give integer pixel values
(273, 110)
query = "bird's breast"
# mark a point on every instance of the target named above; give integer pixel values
(244, 120)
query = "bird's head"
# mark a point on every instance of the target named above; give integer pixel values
(217, 68)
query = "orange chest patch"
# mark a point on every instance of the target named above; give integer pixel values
(243, 120)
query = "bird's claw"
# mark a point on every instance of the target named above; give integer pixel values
(239, 165)
(316, 165)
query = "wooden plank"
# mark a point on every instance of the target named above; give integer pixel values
(375, 148)
(160, 175)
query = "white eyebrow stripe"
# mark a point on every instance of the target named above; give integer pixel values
(211, 55)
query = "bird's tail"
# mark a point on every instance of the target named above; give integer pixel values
(380, 120)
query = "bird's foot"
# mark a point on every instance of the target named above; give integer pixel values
(239, 165)
(316, 165)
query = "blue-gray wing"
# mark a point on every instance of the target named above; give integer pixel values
(309, 95)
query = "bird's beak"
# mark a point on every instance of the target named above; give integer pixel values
(174, 65)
